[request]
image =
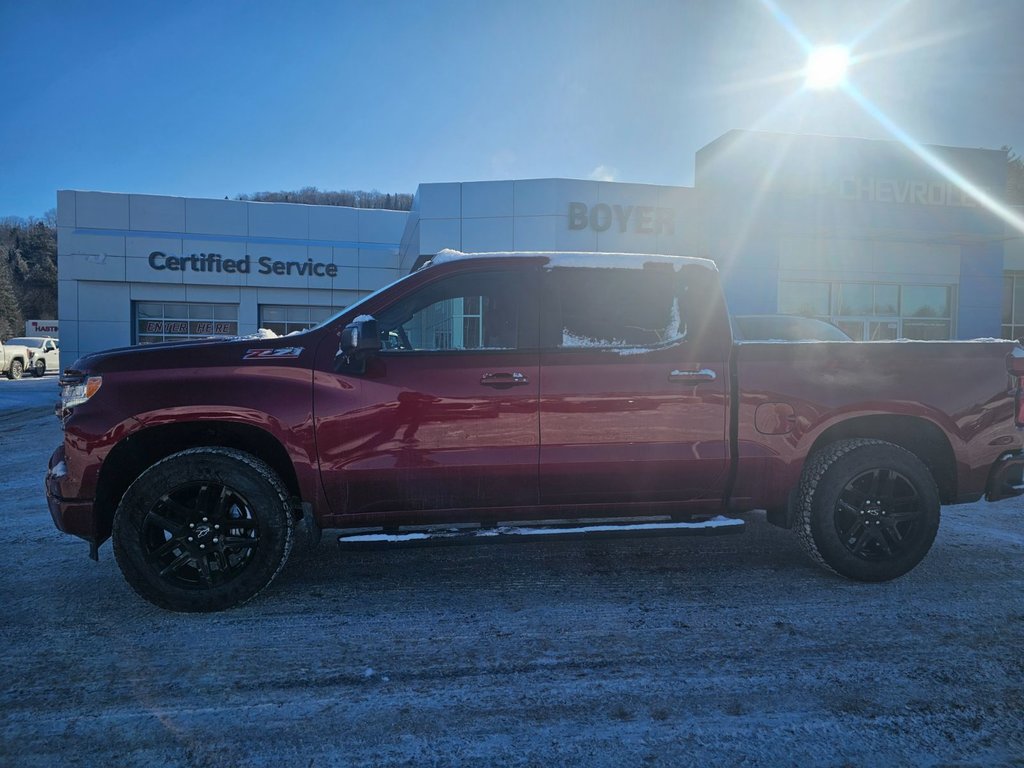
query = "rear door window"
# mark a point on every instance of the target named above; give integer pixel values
(614, 308)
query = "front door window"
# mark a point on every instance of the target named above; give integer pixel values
(474, 311)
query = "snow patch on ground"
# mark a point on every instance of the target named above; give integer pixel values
(663, 651)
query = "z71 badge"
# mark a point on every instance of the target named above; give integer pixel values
(275, 354)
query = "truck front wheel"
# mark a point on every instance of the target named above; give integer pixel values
(867, 509)
(203, 529)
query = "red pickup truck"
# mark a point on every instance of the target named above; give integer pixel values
(558, 388)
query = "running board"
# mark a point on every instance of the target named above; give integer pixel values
(716, 526)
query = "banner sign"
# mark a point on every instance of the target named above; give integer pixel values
(42, 328)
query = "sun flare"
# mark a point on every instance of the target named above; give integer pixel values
(826, 67)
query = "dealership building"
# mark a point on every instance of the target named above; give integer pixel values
(858, 232)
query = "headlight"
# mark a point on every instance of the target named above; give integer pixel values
(77, 393)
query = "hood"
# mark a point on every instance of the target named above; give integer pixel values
(202, 353)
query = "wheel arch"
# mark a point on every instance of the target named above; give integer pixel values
(921, 437)
(140, 450)
(916, 434)
(861, 538)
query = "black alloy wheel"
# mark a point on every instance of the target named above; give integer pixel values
(867, 509)
(878, 515)
(203, 529)
(200, 535)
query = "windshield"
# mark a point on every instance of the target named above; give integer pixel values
(26, 341)
(361, 302)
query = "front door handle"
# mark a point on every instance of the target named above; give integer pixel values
(692, 377)
(504, 379)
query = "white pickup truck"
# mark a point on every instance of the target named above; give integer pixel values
(43, 354)
(14, 357)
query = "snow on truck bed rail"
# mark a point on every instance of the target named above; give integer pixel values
(584, 259)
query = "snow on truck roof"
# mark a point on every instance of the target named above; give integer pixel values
(582, 259)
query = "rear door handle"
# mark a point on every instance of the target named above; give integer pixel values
(692, 377)
(504, 379)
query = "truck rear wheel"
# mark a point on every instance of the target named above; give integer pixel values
(867, 509)
(203, 530)
(16, 369)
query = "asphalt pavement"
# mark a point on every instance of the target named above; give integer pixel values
(649, 652)
(28, 392)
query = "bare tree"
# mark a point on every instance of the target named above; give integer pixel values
(399, 201)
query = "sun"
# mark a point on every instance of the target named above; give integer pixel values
(826, 67)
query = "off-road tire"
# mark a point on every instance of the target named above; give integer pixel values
(254, 496)
(906, 524)
(39, 369)
(16, 369)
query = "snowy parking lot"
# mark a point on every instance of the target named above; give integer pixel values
(731, 650)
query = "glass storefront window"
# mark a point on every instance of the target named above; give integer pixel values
(176, 321)
(282, 319)
(887, 300)
(884, 331)
(854, 299)
(272, 315)
(864, 299)
(1018, 298)
(925, 301)
(926, 330)
(852, 328)
(807, 299)
(879, 311)
(1013, 305)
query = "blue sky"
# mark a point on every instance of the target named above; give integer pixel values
(216, 98)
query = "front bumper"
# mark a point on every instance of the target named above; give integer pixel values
(74, 516)
(1006, 478)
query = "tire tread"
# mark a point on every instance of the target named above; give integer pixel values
(814, 471)
(146, 590)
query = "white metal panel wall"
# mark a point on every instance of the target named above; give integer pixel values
(104, 242)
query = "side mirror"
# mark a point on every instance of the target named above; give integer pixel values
(360, 336)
